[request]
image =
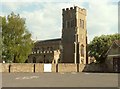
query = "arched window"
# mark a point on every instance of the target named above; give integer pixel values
(51, 48)
(48, 48)
(37, 50)
(82, 50)
(42, 49)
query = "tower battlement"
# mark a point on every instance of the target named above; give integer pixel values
(75, 8)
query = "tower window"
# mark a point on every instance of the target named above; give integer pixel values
(67, 24)
(82, 50)
(42, 49)
(51, 48)
(82, 23)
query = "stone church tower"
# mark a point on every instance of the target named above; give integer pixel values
(74, 35)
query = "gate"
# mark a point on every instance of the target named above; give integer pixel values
(47, 67)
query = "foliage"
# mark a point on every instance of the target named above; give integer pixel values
(17, 43)
(100, 45)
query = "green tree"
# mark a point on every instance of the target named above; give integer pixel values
(17, 43)
(100, 45)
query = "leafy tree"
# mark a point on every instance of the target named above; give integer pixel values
(100, 45)
(17, 43)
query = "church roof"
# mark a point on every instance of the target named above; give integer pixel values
(49, 40)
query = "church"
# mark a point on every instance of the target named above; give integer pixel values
(71, 47)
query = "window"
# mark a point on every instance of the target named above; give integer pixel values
(35, 50)
(42, 49)
(82, 50)
(82, 23)
(67, 24)
(51, 49)
(48, 49)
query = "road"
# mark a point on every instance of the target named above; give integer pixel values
(59, 80)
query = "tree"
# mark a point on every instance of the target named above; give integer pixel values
(100, 45)
(17, 43)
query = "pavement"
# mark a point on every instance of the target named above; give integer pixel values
(59, 80)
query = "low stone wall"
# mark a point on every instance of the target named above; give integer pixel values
(54, 68)
(39, 67)
(5, 67)
(81, 67)
(22, 67)
(67, 67)
(61, 68)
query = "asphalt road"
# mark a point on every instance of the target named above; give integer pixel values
(59, 80)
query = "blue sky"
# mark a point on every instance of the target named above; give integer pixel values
(44, 18)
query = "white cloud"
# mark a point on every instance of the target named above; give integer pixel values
(102, 18)
(15, 5)
(46, 22)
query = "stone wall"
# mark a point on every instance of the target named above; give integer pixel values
(61, 68)
(81, 67)
(54, 67)
(22, 67)
(39, 67)
(5, 67)
(67, 67)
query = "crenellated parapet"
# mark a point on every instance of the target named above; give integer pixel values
(75, 8)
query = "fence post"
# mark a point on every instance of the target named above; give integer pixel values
(34, 67)
(9, 67)
(56, 67)
(77, 67)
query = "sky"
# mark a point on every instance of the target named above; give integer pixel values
(44, 17)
